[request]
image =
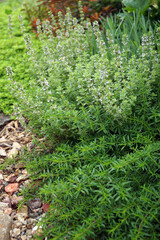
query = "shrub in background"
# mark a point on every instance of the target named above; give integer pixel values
(39, 9)
(106, 7)
(98, 102)
(95, 10)
(148, 7)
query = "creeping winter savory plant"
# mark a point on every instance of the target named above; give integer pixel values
(102, 182)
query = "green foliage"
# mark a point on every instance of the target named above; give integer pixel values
(133, 25)
(97, 101)
(141, 5)
(67, 70)
(13, 52)
(95, 196)
(147, 7)
(33, 8)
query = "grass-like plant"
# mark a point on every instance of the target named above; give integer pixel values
(133, 25)
(98, 104)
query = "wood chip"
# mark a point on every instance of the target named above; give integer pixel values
(3, 153)
(12, 153)
(17, 145)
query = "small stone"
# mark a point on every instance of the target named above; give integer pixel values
(38, 210)
(1, 160)
(8, 211)
(29, 232)
(1, 176)
(23, 229)
(38, 218)
(5, 226)
(15, 200)
(5, 177)
(17, 172)
(16, 231)
(12, 178)
(19, 165)
(7, 200)
(29, 225)
(20, 217)
(26, 183)
(11, 188)
(23, 237)
(3, 153)
(23, 210)
(4, 195)
(22, 178)
(17, 225)
(3, 205)
(33, 215)
(34, 203)
(31, 221)
(9, 169)
(13, 214)
(25, 172)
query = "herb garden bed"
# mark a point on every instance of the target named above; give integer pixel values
(94, 95)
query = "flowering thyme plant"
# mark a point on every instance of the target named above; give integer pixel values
(103, 99)
(73, 85)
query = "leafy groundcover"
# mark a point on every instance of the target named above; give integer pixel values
(13, 52)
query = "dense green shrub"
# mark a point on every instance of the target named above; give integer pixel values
(98, 103)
